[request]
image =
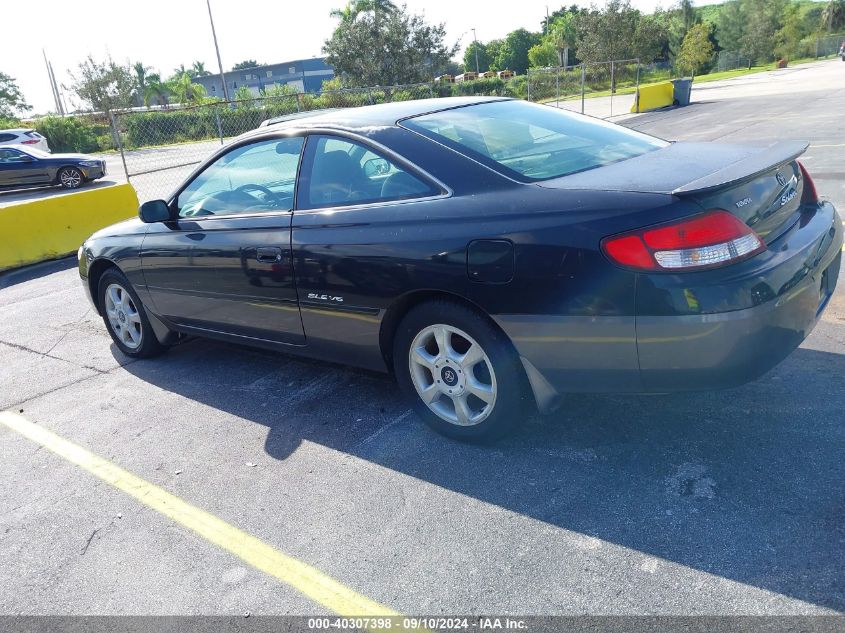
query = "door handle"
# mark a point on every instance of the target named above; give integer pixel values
(268, 254)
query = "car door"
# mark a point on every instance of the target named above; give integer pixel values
(19, 168)
(350, 242)
(223, 263)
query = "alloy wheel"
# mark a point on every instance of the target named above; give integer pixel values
(71, 178)
(123, 316)
(452, 375)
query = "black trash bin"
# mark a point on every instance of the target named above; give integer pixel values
(682, 91)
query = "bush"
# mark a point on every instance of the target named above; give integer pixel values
(68, 134)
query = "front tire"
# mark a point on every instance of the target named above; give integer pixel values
(462, 374)
(71, 178)
(125, 317)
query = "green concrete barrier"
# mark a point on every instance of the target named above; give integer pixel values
(38, 230)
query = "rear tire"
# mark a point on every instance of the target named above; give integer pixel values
(71, 178)
(125, 317)
(462, 375)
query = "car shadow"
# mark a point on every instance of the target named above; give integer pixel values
(746, 484)
(14, 276)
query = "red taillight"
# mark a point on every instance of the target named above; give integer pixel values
(32, 142)
(810, 195)
(715, 238)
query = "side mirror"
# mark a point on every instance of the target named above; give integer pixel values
(376, 167)
(154, 211)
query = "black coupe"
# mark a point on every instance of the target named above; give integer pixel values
(31, 167)
(494, 254)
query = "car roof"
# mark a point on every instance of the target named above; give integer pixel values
(18, 130)
(379, 115)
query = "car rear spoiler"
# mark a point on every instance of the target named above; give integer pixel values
(747, 167)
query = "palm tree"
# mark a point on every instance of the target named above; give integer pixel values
(156, 90)
(184, 90)
(355, 7)
(198, 70)
(833, 16)
(141, 80)
(564, 31)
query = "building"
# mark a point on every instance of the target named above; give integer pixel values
(303, 75)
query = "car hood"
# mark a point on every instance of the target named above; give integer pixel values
(73, 157)
(133, 226)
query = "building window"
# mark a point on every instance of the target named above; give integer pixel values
(247, 77)
(292, 70)
(213, 88)
(269, 73)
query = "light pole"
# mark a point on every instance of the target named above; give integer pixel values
(217, 50)
(475, 41)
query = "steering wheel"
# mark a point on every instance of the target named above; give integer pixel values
(269, 196)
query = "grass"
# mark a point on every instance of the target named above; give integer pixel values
(699, 79)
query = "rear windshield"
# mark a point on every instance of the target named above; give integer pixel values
(531, 142)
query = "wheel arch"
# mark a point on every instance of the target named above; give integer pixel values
(96, 269)
(62, 167)
(407, 302)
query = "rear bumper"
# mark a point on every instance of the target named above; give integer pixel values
(694, 331)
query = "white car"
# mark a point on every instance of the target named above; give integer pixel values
(24, 136)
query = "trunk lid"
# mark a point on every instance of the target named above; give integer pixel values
(760, 185)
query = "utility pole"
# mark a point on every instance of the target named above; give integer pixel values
(217, 50)
(53, 87)
(475, 41)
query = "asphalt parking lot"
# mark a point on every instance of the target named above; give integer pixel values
(707, 503)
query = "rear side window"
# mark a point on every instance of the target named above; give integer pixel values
(33, 134)
(5, 138)
(531, 142)
(340, 172)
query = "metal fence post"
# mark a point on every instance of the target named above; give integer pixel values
(116, 133)
(219, 124)
(296, 98)
(557, 86)
(583, 81)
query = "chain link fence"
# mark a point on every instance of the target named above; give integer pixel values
(828, 45)
(159, 148)
(575, 87)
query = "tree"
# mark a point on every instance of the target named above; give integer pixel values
(730, 25)
(513, 55)
(141, 77)
(156, 91)
(249, 63)
(762, 24)
(619, 32)
(788, 37)
(681, 19)
(543, 55)
(833, 16)
(564, 34)
(469, 57)
(11, 98)
(105, 85)
(493, 48)
(355, 7)
(198, 70)
(184, 90)
(378, 47)
(696, 50)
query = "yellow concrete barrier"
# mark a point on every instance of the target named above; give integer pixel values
(38, 230)
(653, 96)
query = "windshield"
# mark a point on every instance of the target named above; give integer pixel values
(531, 142)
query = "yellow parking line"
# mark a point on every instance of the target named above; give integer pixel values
(303, 577)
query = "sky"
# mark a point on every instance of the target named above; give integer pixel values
(166, 33)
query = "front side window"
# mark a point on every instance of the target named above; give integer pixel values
(250, 179)
(12, 156)
(339, 172)
(531, 142)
